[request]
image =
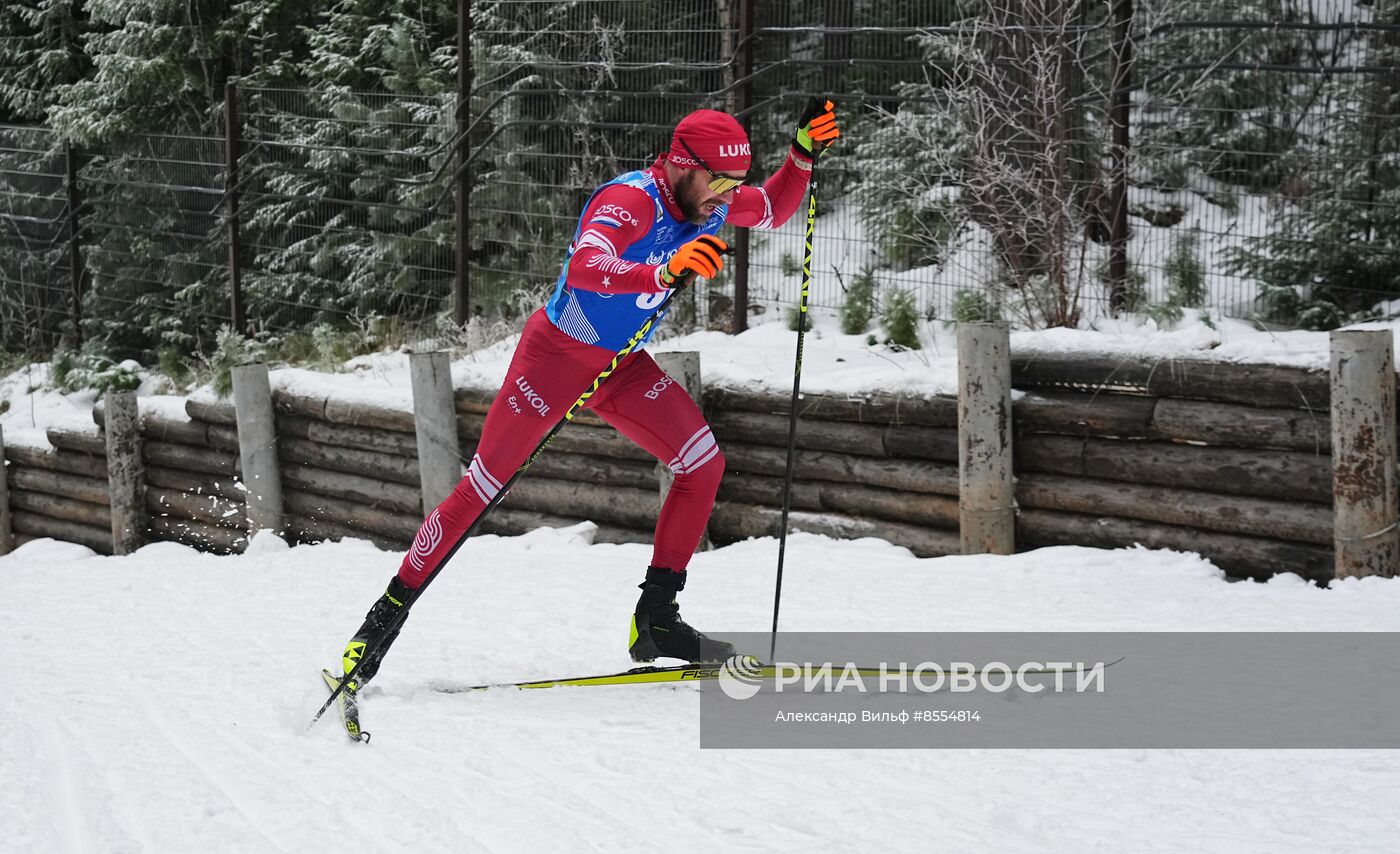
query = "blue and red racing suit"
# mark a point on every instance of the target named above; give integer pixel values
(629, 229)
(608, 287)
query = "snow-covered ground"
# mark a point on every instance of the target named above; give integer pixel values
(159, 702)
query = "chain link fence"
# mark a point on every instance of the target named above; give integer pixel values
(35, 276)
(1264, 162)
(345, 215)
(152, 244)
(977, 171)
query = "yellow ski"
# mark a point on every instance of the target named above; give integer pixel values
(683, 673)
(346, 704)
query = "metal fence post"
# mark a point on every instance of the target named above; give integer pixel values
(1366, 515)
(462, 290)
(126, 473)
(231, 194)
(75, 252)
(257, 448)
(435, 421)
(7, 535)
(1118, 114)
(986, 489)
(743, 99)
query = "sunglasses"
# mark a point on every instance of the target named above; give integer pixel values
(718, 183)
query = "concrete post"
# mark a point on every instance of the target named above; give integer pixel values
(986, 489)
(435, 419)
(1366, 519)
(7, 538)
(257, 448)
(126, 473)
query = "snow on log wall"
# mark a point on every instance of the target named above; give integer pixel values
(1231, 461)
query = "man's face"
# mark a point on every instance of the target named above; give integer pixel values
(695, 198)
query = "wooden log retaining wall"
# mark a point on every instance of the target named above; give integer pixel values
(194, 493)
(61, 491)
(880, 466)
(348, 469)
(1231, 461)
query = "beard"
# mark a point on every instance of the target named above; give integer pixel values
(688, 197)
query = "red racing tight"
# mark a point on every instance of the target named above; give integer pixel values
(548, 372)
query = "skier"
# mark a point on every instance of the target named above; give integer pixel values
(641, 235)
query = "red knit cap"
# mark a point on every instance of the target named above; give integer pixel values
(716, 137)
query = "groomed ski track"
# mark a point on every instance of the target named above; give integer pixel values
(158, 702)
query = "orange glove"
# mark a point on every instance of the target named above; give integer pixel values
(703, 256)
(817, 128)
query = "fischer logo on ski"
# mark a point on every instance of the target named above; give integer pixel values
(348, 707)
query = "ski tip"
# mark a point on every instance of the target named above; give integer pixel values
(350, 720)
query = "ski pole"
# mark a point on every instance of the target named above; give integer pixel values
(792, 413)
(398, 617)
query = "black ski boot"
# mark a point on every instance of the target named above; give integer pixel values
(375, 620)
(657, 627)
